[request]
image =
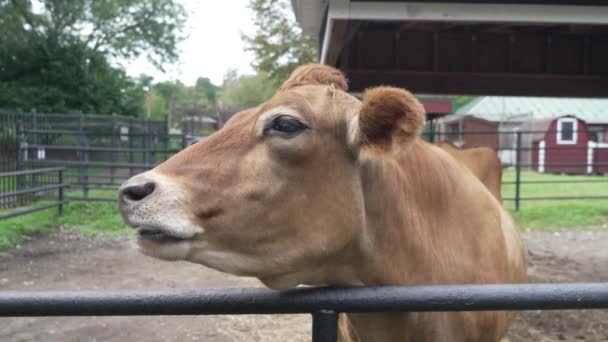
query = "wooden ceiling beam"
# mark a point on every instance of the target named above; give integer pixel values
(481, 84)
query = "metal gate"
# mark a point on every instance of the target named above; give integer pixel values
(323, 303)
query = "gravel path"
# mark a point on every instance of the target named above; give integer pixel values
(66, 260)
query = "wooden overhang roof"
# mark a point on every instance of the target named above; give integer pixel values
(501, 47)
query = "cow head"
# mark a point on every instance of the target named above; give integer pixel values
(276, 193)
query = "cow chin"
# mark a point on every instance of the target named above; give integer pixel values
(200, 251)
(169, 251)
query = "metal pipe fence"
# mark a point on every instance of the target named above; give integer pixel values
(98, 160)
(23, 188)
(323, 303)
(530, 154)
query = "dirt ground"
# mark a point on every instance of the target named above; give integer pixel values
(66, 260)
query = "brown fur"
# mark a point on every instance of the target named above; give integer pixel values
(390, 115)
(482, 161)
(313, 209)
(315, 74)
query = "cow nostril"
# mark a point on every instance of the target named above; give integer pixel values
(136, 193)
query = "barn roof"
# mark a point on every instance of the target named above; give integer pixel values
(522, 108)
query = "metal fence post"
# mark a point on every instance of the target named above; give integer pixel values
(517, 170)
(19, 161)
(146, 142)
(84, 156)
(324, 326)
(131, 136)
(153, 148)
(35, 181)
(113, 154)
(60, 194)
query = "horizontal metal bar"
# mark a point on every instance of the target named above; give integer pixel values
(31, 172)
(92, 199)
(304, 300)
(32, 190)
(497, 132)
(547, 149)
(558, 198)
(28, 210)
(582, 165)
(101, 149)
(90, 164)
(578, 181)
(95, 184)
(102, 134)
(116, 176)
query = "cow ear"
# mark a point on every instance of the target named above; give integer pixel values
(388, 117)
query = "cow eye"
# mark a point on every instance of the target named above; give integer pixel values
(285, 125)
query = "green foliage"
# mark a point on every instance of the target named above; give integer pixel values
(181, 101)
(7, 139)
(76, 79)
(204, 87)
(463, 100)
(159, 106)
(279, 45)
(57, 59)
(117, 28)
(246, 90)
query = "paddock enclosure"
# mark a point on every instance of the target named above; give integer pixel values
(64, 261)
(515, 48)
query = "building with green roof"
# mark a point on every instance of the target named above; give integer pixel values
(493, 120)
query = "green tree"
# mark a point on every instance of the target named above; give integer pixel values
(207, 89)
(279, 45)
(245, 91)
(75, 79)
(57, 58)
(117, 28)
(182, 101)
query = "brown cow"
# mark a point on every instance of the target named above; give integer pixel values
(316, 187)
(482, 161)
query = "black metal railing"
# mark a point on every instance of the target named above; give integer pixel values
(323, 303)
(22, 188)
(94, 160)
(531, 153)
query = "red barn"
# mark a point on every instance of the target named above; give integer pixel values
(567, 146)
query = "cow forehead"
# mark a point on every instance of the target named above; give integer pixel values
(317, 103)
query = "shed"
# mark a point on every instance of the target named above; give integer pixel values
(531, 116)
(568, 146)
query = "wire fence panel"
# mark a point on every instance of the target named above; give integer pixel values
(538, 162)
(99, 152)
(31, 190)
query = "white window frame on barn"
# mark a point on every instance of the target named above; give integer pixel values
(574, 139)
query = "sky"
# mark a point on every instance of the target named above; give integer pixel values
(213, 44)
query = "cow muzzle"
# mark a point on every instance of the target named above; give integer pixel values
(157, 208)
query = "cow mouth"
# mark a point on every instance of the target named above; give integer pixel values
(157, 235)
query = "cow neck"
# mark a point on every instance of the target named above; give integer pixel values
(400, 191)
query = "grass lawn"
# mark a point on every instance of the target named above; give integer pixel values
(545, 214)
(102, 218)
(91, 218)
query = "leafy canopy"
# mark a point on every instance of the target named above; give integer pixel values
(279, 45)
(57, 56)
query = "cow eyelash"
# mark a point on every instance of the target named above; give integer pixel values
(284, 125)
